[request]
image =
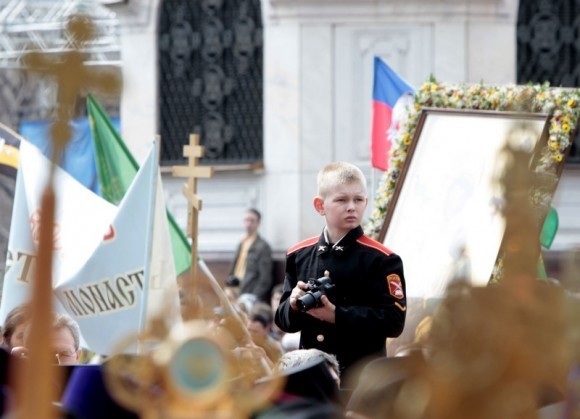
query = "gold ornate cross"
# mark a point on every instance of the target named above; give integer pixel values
(193, 151)
(72, 76)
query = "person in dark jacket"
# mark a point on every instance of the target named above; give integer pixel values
(363, 302)
(252, 267)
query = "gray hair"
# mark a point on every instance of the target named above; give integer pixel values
(300, 357)
(62, 320)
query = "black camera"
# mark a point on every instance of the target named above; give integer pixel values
(232, 281)
(316, 289)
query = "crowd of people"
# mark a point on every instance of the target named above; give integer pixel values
(343, 295)
(322, 332)
(312, 347)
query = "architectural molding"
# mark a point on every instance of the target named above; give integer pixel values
(136, 15)
(392, 10)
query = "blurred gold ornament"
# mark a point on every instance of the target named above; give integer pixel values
(502, 351)
(34, 389)
(73, 76)
(193, 369)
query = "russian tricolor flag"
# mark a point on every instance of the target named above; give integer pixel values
(388, 88)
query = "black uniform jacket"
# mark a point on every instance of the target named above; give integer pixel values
(369, 295)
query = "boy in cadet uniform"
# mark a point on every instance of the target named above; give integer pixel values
(365, 302)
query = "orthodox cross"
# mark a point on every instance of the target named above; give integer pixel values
(71, 76)
(193, 151)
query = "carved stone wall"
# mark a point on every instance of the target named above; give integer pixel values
(210, 79)
(548, 41)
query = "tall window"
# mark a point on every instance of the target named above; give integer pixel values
(548, 48)
(210, 79)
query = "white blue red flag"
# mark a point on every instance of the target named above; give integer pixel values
(388, 90)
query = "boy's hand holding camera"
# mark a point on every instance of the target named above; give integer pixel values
(324, 312)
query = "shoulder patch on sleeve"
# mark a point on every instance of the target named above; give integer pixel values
(303, 244)
(367, 241)
(395, 286)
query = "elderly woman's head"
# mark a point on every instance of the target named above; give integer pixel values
(298, 357)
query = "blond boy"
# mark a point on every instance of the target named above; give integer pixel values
(365, 302)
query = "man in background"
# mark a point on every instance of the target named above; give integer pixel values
(252, 267)
(65, 341)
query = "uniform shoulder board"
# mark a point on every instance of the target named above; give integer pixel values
(303, 244)
(368, 242)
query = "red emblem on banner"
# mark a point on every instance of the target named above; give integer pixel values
(35, 226)
(35, 220)
(110, 234)
(395, 286)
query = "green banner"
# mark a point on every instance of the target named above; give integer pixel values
(117, 167)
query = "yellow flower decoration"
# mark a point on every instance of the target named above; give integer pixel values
(562, 104)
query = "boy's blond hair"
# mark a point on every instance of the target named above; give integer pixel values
(339, 173)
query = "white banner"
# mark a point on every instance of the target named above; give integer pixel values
(163, 297)
(107, 296)
(103, 254)
(81, 220)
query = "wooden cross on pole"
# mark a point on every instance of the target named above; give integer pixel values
(72, 76)
(193, 151)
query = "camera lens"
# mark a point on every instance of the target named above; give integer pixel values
(306, 302)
